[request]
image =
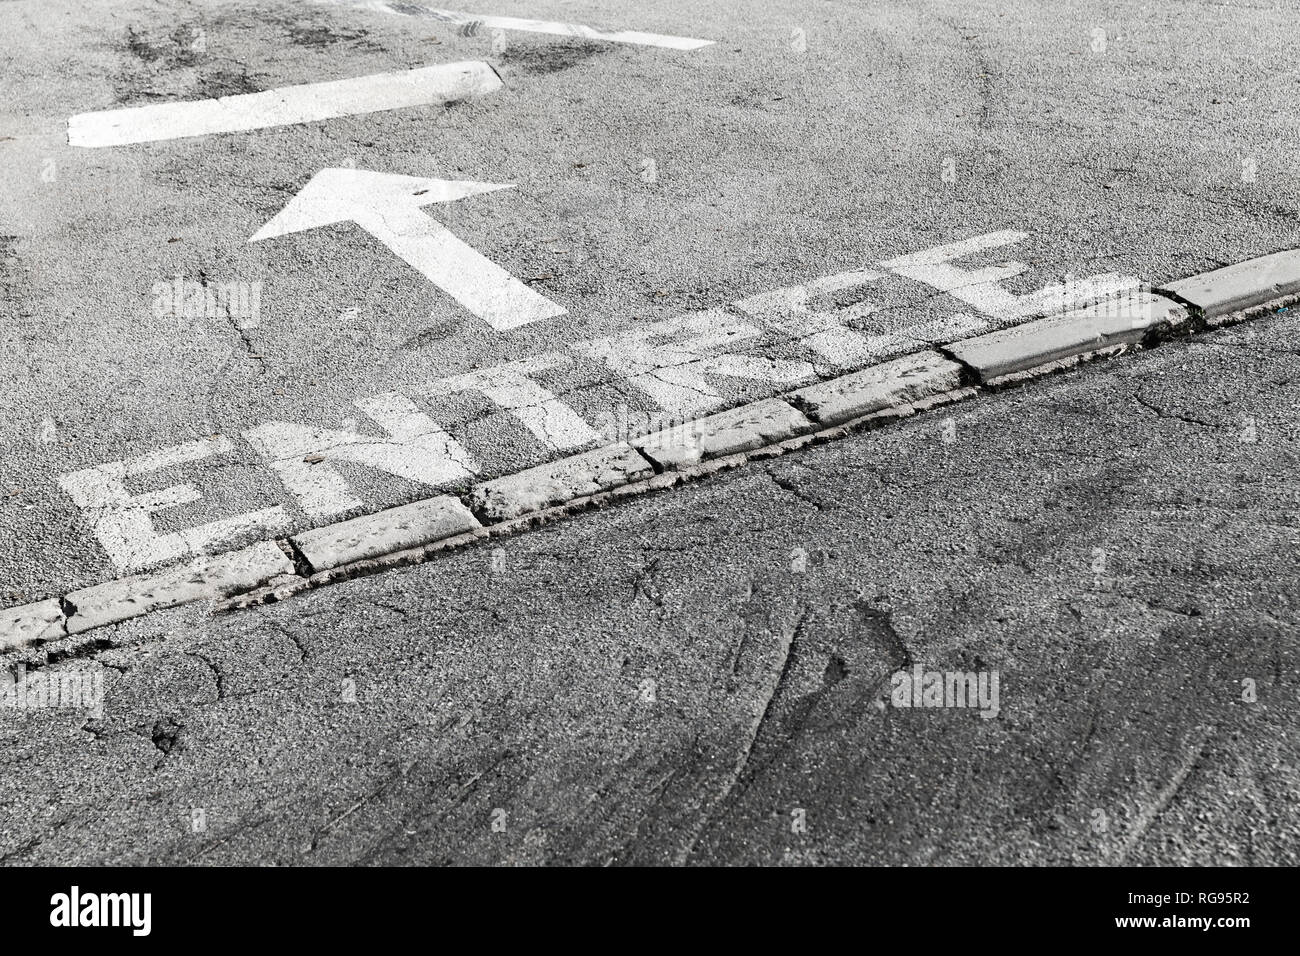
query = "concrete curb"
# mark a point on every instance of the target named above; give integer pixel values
(31, 624)
(395, 529)
(1239, 286)
(661, 482)
(870, 398)
(726, 433)
(218, 576)
(1054, 338)
(556, 482)
(888, 385)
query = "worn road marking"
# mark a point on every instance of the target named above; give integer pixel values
(552, 422)
(528, 26)
(672, 361)
(982, 287)
(123, 522)
(678, 362)
(285, 106)
(767, 427)
(387, 206)
(416, 448)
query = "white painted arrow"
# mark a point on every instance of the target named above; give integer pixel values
(387, 206)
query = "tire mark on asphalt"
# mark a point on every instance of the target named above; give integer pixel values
(882, 625)
(852, 648)
(368, 798)
(787, 654)
(1148, 814)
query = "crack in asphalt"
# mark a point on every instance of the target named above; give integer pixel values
(785, 484)
(1162, 412)
(219, 676)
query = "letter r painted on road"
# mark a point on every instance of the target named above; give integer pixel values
(672, 361)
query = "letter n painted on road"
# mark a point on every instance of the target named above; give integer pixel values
(416, 449)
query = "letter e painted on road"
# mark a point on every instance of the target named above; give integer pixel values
(123, 522)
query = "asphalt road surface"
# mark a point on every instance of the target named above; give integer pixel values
(702, 675)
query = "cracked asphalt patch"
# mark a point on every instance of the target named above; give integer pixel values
(669, 680)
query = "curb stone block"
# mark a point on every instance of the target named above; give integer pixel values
(212, 577)
(560, 481)
(396, 529)
(1055, 337)
(1241, 285)
(899, 382)
(30, 624)
(736, 430)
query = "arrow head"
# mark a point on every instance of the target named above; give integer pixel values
(350, 195)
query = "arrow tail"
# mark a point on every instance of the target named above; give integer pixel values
(475, 281)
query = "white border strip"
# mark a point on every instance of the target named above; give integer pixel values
(528, 26)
